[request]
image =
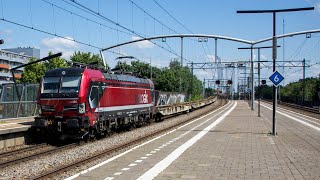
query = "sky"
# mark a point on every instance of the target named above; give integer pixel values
(89, 25)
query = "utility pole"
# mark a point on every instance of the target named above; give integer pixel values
(252, 77)
(283, 57)
(181, 63)
(304, 78)
(259, 91)
(181, 60)
(191, 90)
(215, 50)
(150, 69)
(274, 51)
(238, 91)
(204, 87)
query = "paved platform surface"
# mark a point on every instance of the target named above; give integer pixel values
(13, 125)
(230, 143)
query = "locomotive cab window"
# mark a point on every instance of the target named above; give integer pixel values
(95, 95)
(93, 98)
(70, 84)
(51, 84)
(65, 84)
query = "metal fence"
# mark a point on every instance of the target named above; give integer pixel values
(299, 101)
(19, 100)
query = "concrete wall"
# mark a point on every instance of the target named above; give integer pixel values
(12, 139)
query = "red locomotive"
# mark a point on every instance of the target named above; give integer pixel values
(84, 102)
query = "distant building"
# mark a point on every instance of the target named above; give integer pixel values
(10, 60)
(28, 51)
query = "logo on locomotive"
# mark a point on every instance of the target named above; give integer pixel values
(143, 98)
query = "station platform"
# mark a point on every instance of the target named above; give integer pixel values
(12, 131)
(228, 143)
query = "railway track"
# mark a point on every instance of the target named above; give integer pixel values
(303, 108)
(81, 162)
(29, 153)
(13, 152)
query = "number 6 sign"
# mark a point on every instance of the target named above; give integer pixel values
(276, 78)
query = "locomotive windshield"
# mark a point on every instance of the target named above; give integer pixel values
(70, 84)
(64, 84)
(51, 84)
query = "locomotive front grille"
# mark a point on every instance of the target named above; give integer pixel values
(47, 108)
(72, 107)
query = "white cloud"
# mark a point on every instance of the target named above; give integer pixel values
(142, 44)
(66, 46)
(59, 42)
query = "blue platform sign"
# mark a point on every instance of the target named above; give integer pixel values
(276, 78)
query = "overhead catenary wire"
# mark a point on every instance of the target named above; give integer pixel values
(302, 69)
(297, 51)
(164, 25)
(173, 17)
(157, 20)
(153, 17)
(300, 48)
(56, 35)
(85, 18)
(54, 19)
(92, 12)
(181, 25)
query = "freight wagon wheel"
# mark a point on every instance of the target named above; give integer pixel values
(158, 118)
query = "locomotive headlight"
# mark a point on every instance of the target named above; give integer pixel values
(82, 108)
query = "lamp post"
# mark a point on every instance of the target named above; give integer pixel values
(274, 50)
(150, 69)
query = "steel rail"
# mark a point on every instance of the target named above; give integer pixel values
(9, 153)
(35, 155)
(299, 107)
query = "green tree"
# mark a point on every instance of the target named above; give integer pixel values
(266, 92)
(86, 58)
(33, 73)
(174, 78)
(179, 79)
(123, 66)
(55, 63)
(293, 91)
